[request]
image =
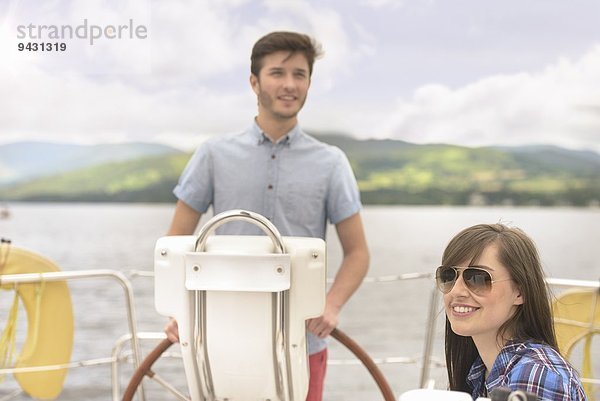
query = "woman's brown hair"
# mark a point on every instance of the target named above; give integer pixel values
(531, 321)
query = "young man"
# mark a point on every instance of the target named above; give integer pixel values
(275, 169)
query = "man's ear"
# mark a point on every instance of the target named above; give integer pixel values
(254, 83)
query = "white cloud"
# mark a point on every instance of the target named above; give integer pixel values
(382, 3)
(557, 105)
(196, 40)
(98, 94)
(79, 110)
(189, 79)
(328, 27)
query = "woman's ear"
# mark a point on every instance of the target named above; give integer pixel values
(519, 297)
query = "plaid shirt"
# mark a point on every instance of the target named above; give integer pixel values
(527, 366)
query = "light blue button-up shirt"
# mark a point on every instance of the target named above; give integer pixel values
(298, 183)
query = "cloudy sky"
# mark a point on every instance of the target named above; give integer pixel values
(469, 72)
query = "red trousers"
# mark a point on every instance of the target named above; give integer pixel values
(318, 366)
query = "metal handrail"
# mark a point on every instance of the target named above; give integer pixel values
(429, 334)
(426, 358)
(84, 274)
(118, 355)
(561, 282)
(134, 336)
(239, 215)
(280, 300)
(591, 325)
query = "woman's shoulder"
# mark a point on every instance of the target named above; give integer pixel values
(531, 352)
(541, 369)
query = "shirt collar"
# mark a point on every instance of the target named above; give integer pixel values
(476, 377)
(287, 139)
(477, 371)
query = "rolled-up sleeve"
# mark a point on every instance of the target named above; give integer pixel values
(343, 198)
(195, 186)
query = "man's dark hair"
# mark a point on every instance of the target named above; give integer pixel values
(292, 42)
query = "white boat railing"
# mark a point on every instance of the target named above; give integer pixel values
(133, 337)
(429, 334)
(561, 282)
(118, 277)
(426, 359)
(592, 325)
(434, 297)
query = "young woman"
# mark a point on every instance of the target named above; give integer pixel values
(499, 330)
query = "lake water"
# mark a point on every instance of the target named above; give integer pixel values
(387, 319)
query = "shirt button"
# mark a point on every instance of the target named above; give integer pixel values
(273, 156)
(270, 186)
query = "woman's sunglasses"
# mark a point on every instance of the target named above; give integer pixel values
(477, 280)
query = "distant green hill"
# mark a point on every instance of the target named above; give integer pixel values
(395, 172)
(148, 179)
(388, 172)
(22, 161)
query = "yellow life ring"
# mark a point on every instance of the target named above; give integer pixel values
(49, 323)
(576, 318)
